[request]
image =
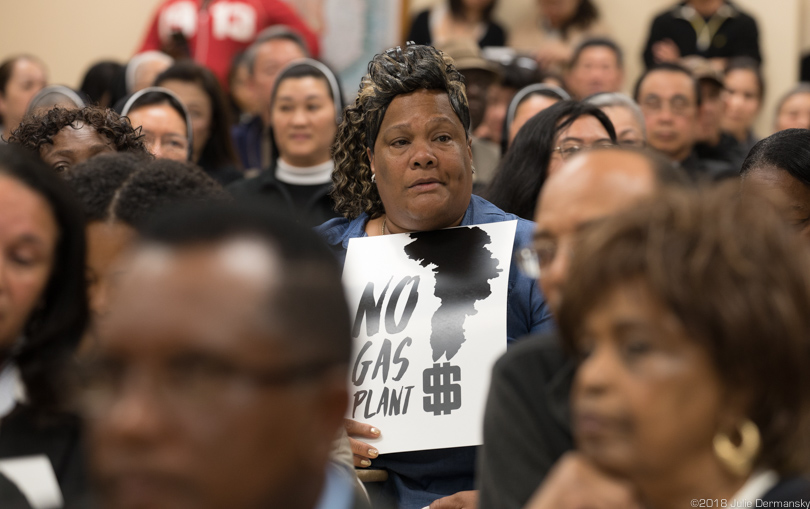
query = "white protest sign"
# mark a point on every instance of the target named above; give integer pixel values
(35, 478)
(429, 321)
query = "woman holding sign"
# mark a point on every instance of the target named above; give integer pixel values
(403, 164)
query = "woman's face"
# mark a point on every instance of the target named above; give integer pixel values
(422, 160)
(74, 144)
(528, 108)
(105, 243)
(557, 12)
(200, 109)
(646, 399)
(28, 238)
(794, 113)
(163, 129)
(584, 133)
(303, 121)
(742, 101)
(27, 78)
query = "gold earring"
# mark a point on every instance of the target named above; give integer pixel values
(373, 178)
(473, 170)
(739, 459)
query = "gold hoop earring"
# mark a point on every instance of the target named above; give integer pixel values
(739, 459)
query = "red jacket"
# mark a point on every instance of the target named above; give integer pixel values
(216, 30)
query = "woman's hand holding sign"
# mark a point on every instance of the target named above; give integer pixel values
(363, 452)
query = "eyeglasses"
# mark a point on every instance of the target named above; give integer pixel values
(678, 105)
(193, 385)
(568, 150)
(528, 262)
(532, 260)
(633, 143)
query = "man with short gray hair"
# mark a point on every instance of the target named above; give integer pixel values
(271, 52)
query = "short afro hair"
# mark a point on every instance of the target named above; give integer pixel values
(96, 181)
(39, 129)
(131, 188)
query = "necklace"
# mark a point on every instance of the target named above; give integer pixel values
(383, 225)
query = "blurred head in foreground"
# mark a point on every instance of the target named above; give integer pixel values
(691, 332)
(219, 391)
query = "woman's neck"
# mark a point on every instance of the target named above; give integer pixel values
(704, 479)
(382, 225)
(304, 175)
(306, 161)
(470, 16)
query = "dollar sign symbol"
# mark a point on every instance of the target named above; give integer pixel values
(438, 381)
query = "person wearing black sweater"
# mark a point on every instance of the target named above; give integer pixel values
(713, 29)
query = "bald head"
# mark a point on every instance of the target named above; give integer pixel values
(164, 284)
(587, 188)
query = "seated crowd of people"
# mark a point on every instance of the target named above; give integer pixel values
(174, 322)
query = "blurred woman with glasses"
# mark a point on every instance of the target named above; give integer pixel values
(164, 121)
(540, 148)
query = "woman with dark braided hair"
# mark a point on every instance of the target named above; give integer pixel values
(64, 137)
(403, 163)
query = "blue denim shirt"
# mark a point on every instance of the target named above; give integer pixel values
(418, 478)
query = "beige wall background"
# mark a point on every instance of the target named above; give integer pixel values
(71, 36)
(780, 23)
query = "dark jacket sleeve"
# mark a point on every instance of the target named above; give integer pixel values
(657, 33)
(524, 431)
(420, 28)
(10, 496)
(794, 489)
(748, 42)
(25, 432)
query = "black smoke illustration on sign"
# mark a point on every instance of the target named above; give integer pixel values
(463, 268)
